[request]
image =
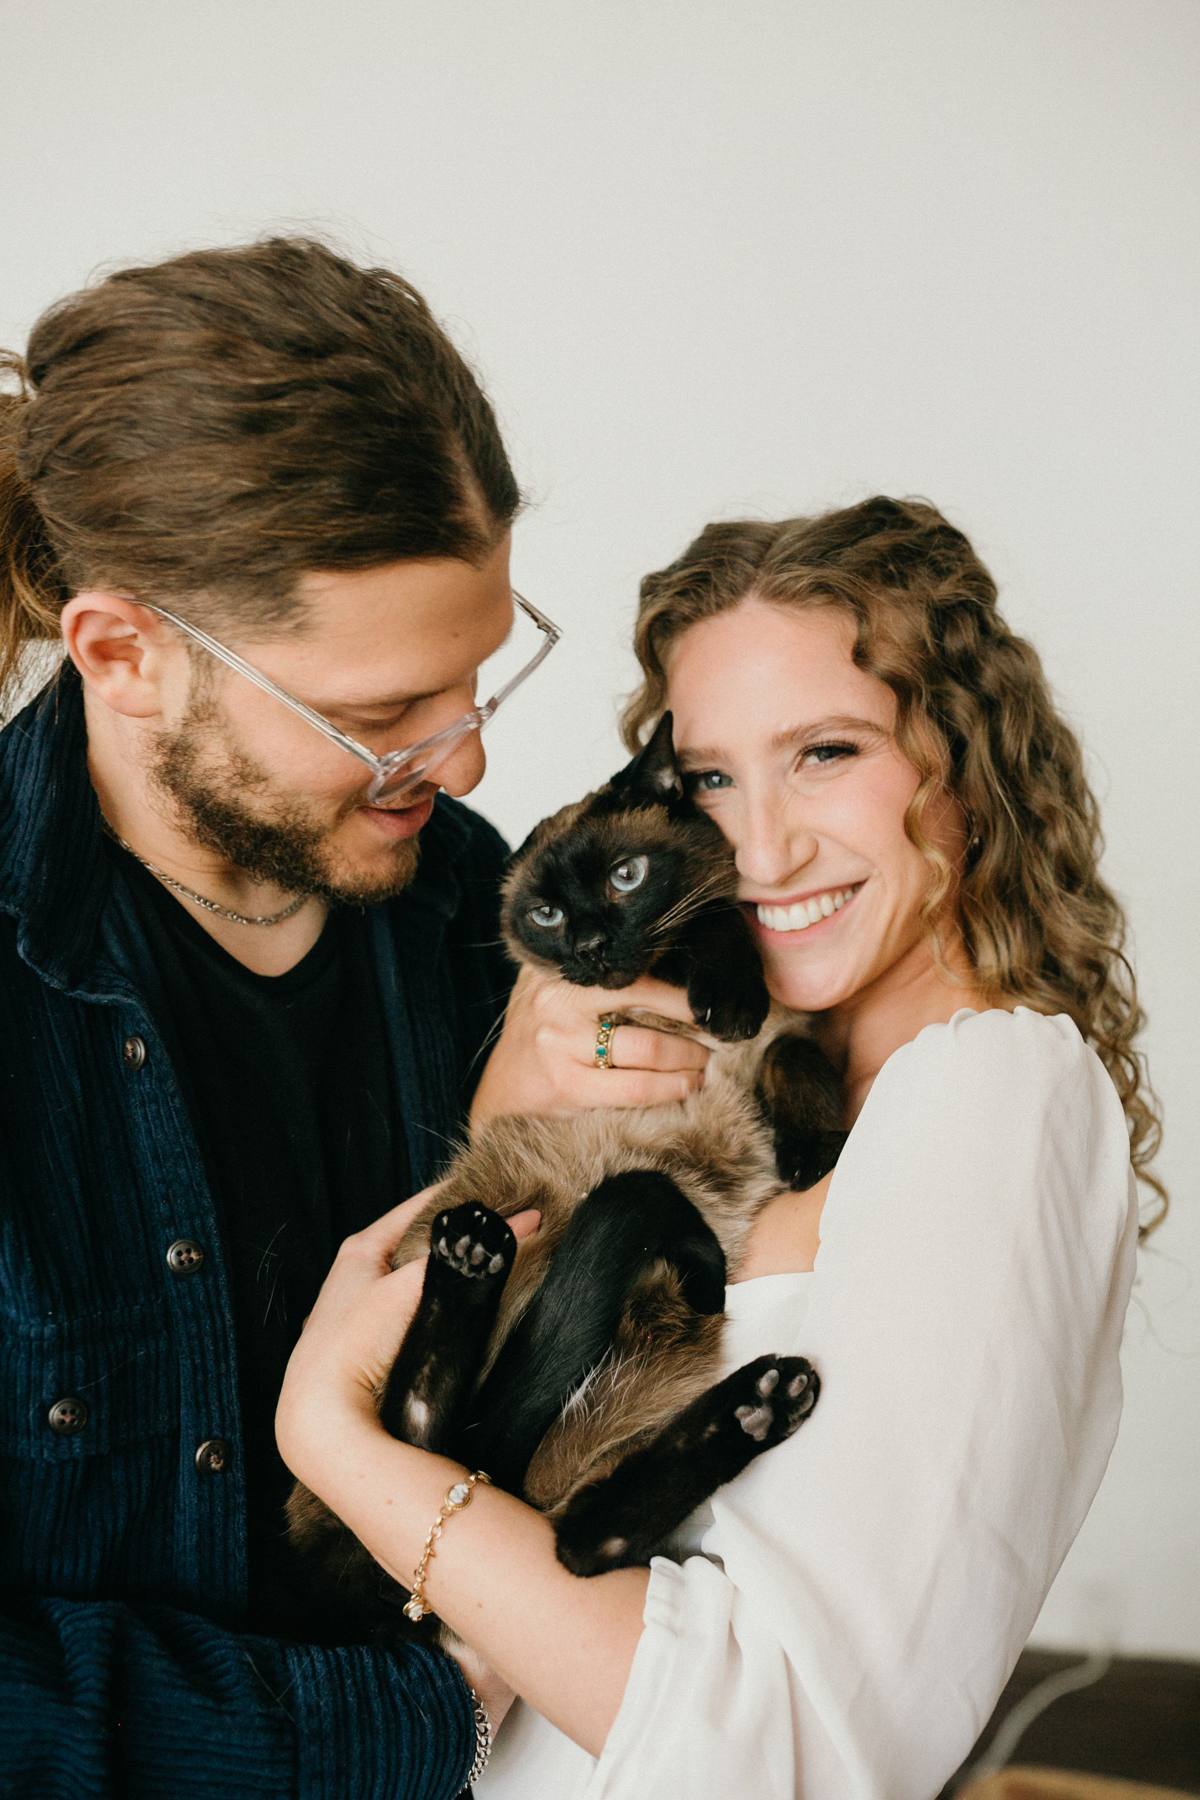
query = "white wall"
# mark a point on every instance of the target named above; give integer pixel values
(770, 256)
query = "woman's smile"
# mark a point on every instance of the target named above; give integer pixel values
(803, 912)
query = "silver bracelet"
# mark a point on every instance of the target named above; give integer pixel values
(483, 1738)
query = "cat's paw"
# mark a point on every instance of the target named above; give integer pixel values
(731, 1011)
(805, 1157)
(473, 1241)
(770, 1398)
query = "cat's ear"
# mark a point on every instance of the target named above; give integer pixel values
(653, 778)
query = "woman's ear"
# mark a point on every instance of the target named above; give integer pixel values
(126, 657)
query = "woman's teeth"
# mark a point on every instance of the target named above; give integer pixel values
(805, 912)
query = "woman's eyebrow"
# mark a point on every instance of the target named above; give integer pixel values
(784, 740)
(700, 755)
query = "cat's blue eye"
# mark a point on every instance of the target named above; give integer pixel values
(547, 916)
(630, 874)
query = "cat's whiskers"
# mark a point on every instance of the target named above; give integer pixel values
(689, 904)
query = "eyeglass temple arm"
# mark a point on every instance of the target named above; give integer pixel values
(550, 638)
(233, 661)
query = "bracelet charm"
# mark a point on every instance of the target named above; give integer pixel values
(457, 1497)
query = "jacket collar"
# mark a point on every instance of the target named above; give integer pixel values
(54, 877)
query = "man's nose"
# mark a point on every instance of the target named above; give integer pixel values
(463, 768)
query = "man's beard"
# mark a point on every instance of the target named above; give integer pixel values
(204, 775)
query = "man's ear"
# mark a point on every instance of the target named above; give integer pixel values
(122, 652)
(653, 778)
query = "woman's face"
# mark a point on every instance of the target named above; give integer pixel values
(789, 747)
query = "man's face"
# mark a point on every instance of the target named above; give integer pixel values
(389, 655)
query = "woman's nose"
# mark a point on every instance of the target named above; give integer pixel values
(772, 847)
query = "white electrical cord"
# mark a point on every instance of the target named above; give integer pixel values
(1035, 1702)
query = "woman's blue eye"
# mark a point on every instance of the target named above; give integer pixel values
(827, 753)
(547, 916)
(711, 780)
(630, 874)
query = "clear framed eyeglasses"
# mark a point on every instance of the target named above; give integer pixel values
(400, 771)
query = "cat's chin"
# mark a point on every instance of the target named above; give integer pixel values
(612, 979)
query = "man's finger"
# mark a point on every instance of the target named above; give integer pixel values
(638, 1047)
(655, 996)
(637, 1087)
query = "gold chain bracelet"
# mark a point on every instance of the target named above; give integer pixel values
(456, 1498)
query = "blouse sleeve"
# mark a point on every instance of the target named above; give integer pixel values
(866, 1587)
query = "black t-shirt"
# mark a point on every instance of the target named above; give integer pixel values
(290, 1085)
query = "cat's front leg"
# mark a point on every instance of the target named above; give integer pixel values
(471, 1250)
(620, 1521)
(801, 1097)
(716, 959)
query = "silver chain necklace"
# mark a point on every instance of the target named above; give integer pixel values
(212, 906)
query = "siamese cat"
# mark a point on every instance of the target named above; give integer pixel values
(578, 1369)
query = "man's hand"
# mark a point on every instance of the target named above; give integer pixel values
(545, 1060)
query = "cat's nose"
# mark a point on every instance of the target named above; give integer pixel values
(591, 946)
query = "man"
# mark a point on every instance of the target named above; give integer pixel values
(248, 962)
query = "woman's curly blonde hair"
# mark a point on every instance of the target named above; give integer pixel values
(974, 715)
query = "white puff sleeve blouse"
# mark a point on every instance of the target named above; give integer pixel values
(838, 1622)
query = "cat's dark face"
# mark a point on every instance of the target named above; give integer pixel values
(600, 891)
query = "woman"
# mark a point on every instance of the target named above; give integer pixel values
(917, 848)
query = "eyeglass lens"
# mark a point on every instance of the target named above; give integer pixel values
(410, 773)
(494, 676)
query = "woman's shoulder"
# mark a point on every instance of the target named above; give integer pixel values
(1014, 1105)
(998, 1055)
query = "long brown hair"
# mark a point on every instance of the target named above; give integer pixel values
(208, 429)
(975, 717)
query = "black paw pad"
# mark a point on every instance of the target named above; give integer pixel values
(777, 1395)
(473, 1241)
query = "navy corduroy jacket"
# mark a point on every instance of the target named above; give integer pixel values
(123, 1666)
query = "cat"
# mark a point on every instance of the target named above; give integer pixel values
(579, 1368)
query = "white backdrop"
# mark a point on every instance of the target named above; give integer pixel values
(770, 257)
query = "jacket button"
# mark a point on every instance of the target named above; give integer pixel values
(184, 1257)
(66, 1417)
(212, 1458)
(133, 1052)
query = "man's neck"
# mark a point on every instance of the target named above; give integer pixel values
(135, 812)
(860, 1035)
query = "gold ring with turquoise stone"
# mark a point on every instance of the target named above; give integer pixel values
(603, 1058)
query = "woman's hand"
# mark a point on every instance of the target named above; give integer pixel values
(350, 1341)
(565, 1644)
(545, 1060)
